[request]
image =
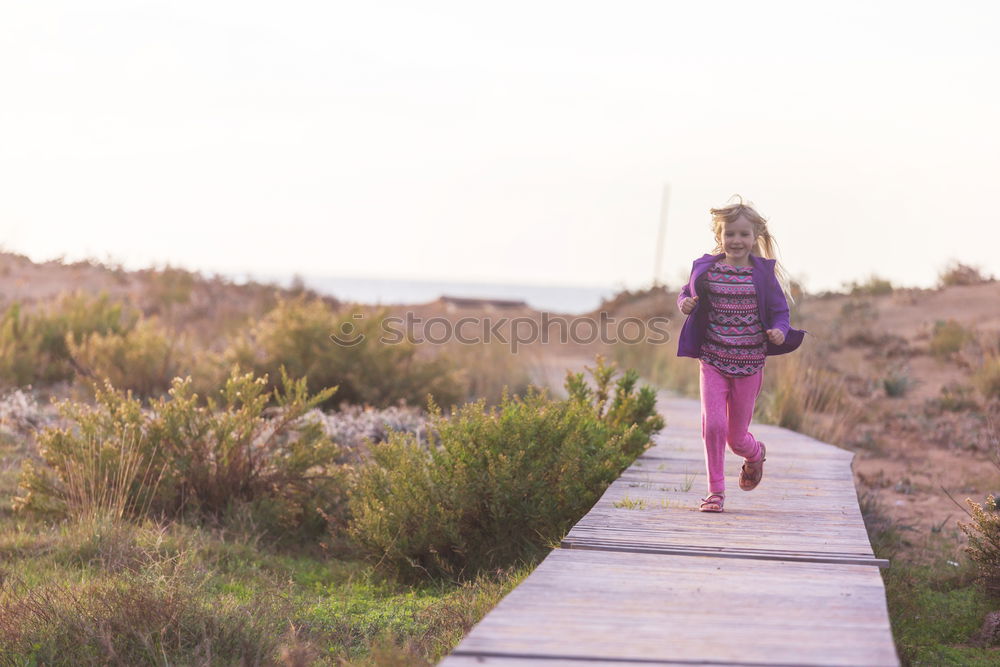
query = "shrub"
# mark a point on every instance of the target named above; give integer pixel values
(873, 286)
(495, 487)
(987, 378)
(631, 413)
(947, 338)
(957, 273)
(297, 333)
(897, 383)
(169, 286)
(858, 309)
(955, 397)
(206, 461)
(33, 346)
(984, 542)
(144, 360)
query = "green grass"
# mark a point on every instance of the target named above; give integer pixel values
(191, 593)
(935, 609)
(631, 503)
(935, 604)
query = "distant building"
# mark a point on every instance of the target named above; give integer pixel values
(454, 302)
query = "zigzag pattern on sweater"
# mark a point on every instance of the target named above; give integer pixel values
(730, 289)
(734, 302)
(723, 276)
(733, 370)
(734, 339)
(729, 353)
(726, 332)
(737, 319)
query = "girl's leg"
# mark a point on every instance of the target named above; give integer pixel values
(741, 402)
(714, 396)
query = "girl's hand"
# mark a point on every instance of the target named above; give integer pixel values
(775, 336)
(688, 304)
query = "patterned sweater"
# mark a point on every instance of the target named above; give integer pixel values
(734, 341)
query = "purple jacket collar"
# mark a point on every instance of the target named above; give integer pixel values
(771, 304)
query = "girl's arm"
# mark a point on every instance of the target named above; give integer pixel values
(686, 290)
(685, 293)
(777, 307)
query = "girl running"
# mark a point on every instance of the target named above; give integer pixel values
(737, 314)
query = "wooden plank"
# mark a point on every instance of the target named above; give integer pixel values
(580, 605)
(806, 507)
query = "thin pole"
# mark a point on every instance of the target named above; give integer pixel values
(661, 236)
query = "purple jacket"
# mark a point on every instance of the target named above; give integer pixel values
(771, 304)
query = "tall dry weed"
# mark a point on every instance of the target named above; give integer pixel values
(485, 369)
(802, 394)
(111, 479)
(660, 365)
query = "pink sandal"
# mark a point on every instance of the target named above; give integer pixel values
(752, 472)
(712, 503)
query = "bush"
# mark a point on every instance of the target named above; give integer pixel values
(984, 542)
(955, 397)
(180, 458)
(987, 378)
(873, 286)
(144, 360)
(33, 346)
(297, 333)
(897, 383)
(947, 338)
(628, 412)
(494, 488)
(957, 273)
(168, 286)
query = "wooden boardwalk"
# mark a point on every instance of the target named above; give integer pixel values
(785, 576)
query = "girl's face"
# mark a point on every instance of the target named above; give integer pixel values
(737, 240)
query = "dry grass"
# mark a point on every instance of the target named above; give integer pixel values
(100, 482)
(486, 368)
(804, 395)
(660, 365)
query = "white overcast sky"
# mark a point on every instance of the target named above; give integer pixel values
(505, 141)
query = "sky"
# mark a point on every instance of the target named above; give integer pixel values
(514, 142)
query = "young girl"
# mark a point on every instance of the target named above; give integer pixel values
(737, 314)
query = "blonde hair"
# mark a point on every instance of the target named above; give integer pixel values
(764, 244)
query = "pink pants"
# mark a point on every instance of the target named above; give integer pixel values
(726, 408)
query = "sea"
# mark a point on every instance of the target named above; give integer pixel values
(573, 300)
